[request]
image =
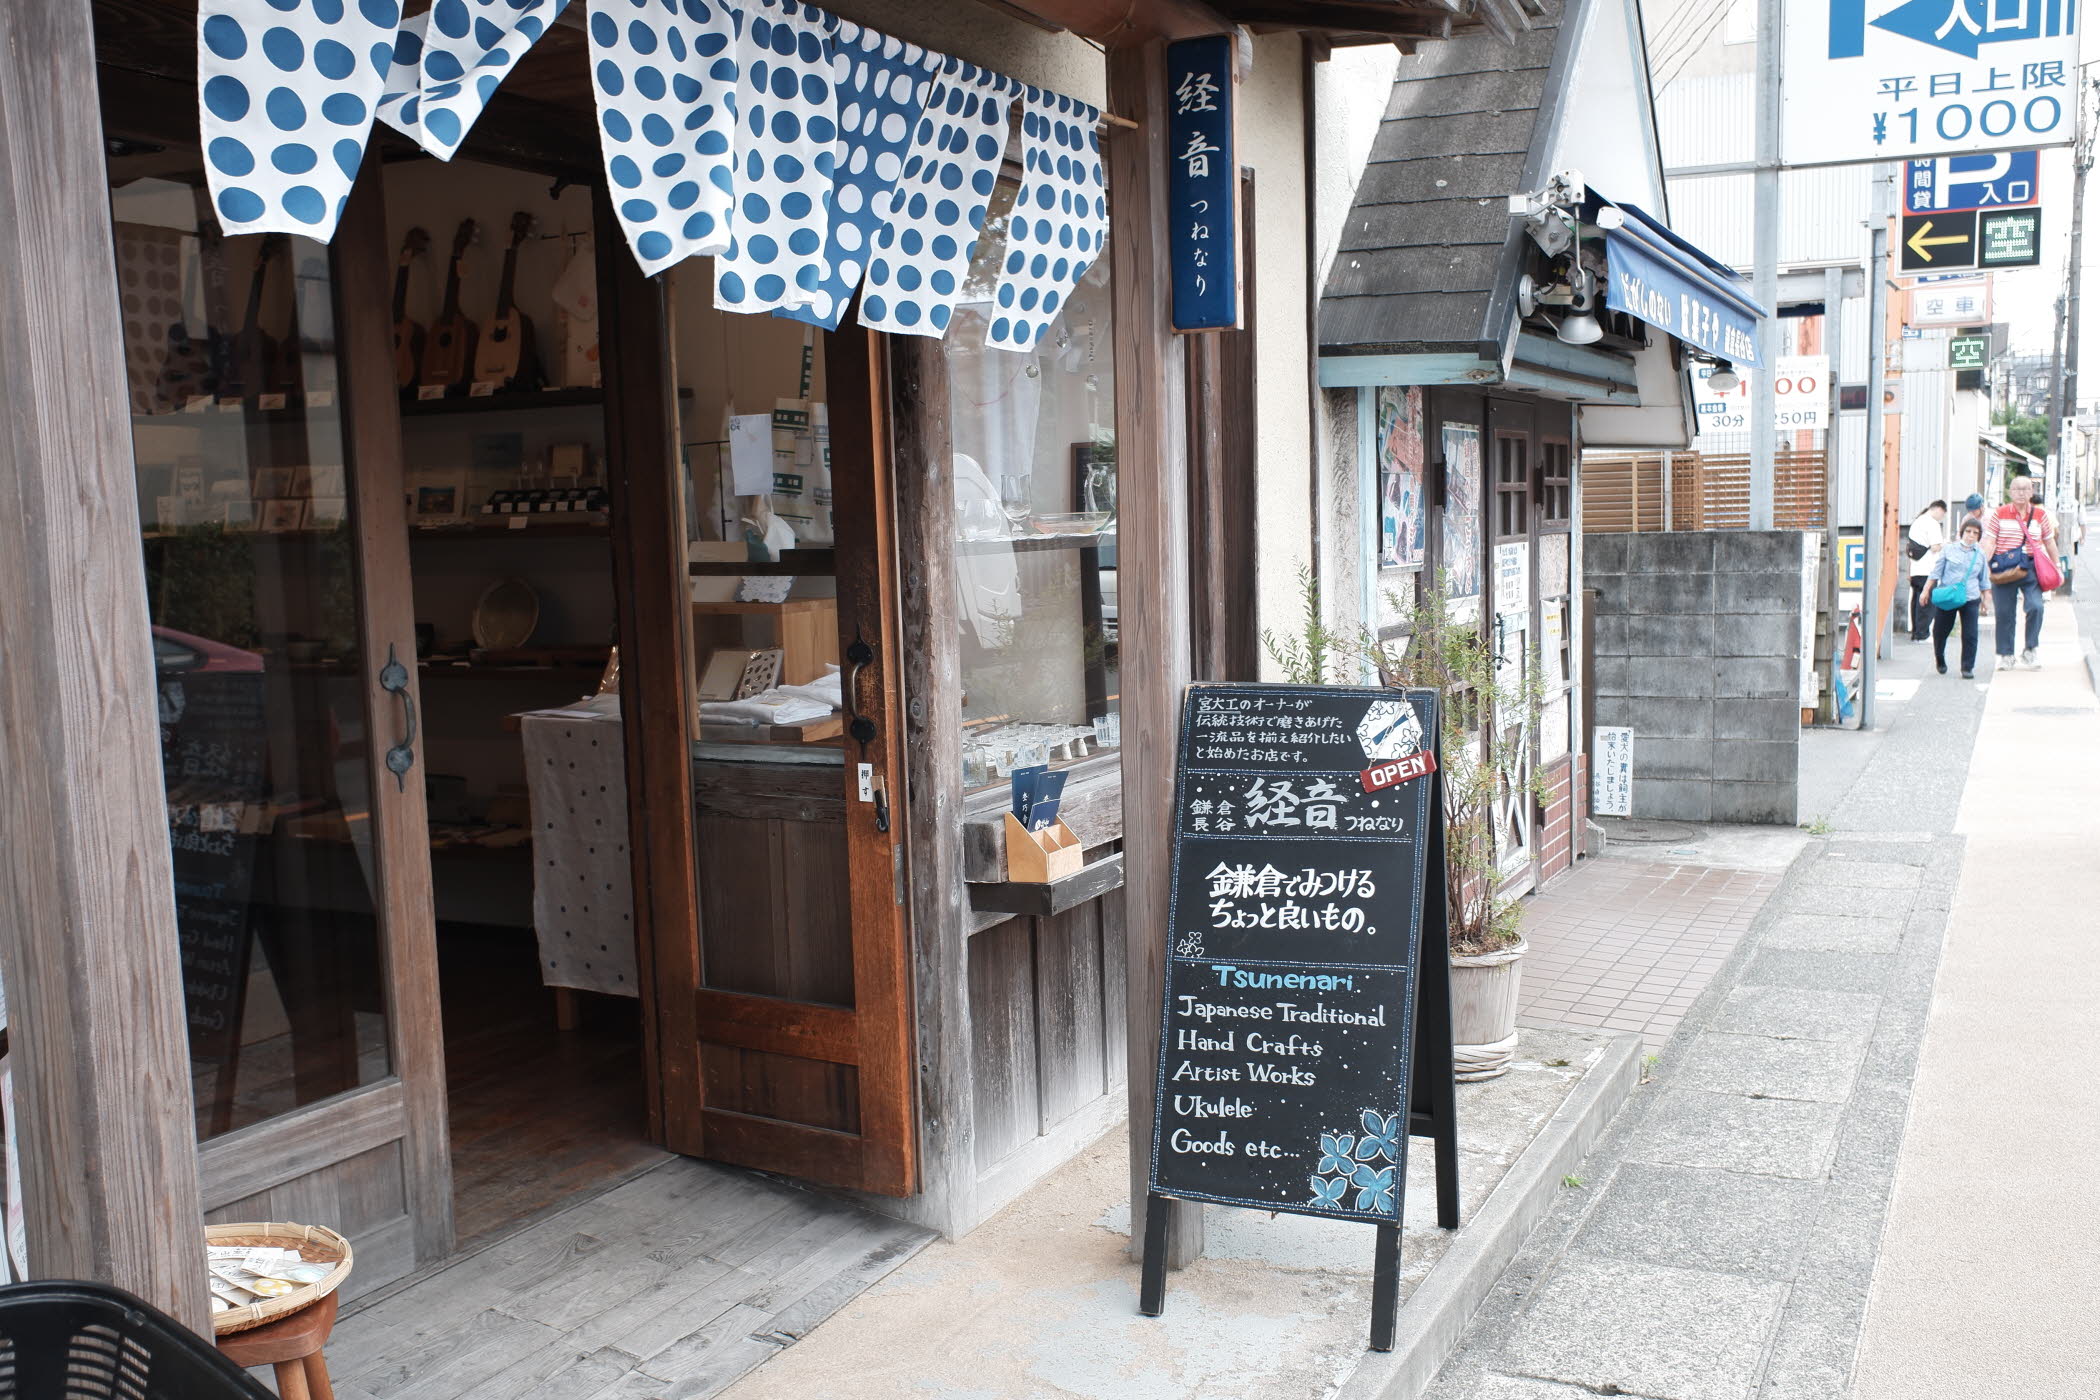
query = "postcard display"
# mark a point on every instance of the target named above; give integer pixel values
(1307, 1024)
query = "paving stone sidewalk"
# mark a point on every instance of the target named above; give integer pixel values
(1723, 1237)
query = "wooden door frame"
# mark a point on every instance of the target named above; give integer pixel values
(643, 471)
(90, 955)
(409, 1105)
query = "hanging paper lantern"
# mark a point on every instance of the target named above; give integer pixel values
(285, 92)
(930, 229)
(1058, 221)
(665, 80)
(881, 85)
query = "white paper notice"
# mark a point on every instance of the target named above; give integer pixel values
(751, 453)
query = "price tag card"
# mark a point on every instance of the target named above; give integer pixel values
(482, 388)
(268, 402)
(430, 391)
(197, 403)
(320, 398)
(231, 405)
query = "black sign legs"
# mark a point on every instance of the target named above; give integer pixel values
(1433, 1091)
(1152, 1284)
(1385, 1284)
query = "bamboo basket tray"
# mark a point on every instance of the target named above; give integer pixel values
(316, 1243)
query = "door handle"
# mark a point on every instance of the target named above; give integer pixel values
(862, 730)
(401, 757)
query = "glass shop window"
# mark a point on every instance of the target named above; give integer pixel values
(1035, 524)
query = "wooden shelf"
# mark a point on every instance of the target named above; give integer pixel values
(815, 563)
(540, 527)
(522, 402)
(1055, 897)
(792, 605)
(1031, 544)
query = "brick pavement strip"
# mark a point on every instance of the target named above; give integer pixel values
(1723, 1239)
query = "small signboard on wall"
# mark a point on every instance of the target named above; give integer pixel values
(1611, 780)
(1203, 223)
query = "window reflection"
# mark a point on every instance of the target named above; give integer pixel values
(1035, 519)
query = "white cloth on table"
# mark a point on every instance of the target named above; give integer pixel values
(583, 885)
(783, 704)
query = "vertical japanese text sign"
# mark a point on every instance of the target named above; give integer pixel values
(1301, 835)
(1203, 226)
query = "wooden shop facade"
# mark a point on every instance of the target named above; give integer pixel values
(481, 712)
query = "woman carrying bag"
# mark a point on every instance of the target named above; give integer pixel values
(1957, 582)
(2021, 543)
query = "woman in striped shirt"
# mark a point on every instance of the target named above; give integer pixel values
(2019, 526)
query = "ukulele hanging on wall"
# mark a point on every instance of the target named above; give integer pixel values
(508, 357)
(408, 334)
(448, 354)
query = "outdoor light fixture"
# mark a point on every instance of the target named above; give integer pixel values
(1579, 326)
(1724, 377)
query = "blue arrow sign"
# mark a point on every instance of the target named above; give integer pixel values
(1961, 26)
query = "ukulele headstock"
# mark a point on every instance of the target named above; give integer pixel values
(415, 245)
(522, 224)
(469, 234)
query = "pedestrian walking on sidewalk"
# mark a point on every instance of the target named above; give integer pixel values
(1958, 587)
(2020, 538)
(1928, 535)
(1972, 509)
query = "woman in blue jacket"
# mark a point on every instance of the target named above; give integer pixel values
(1961, 566)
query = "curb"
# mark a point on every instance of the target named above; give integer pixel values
(1433, 1320)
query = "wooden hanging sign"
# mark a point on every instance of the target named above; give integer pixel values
(1306, 1025)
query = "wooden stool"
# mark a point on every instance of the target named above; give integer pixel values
(293, 1345)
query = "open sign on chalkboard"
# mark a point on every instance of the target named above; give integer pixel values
(1305, 1033)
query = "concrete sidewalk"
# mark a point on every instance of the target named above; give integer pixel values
(1722, 1242)
(1986, 1285)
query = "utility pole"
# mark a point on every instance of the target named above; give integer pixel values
(1877, 430)
(1833, 558)
(1764, 402)
(2063, 375)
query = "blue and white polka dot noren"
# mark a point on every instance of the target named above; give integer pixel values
(786, 149)
(285, 92)
(1059, 219)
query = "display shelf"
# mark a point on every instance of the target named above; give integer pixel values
(1052, 897)
(1030, 544)
(548, 527)
(815, 563)
(517, 401)
(781, 609)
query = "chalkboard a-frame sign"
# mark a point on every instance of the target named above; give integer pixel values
(1306, 1032)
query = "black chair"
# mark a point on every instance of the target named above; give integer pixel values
(86, 1341)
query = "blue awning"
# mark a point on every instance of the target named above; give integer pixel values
(1657, 277)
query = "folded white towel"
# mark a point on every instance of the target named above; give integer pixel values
(774, 706)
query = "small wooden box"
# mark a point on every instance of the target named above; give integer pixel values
(1038, 857)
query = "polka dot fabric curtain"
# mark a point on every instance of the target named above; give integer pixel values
(285, 92)
(930, 228)
(666, 83)
(1059, 218)
(881, 84)
(812, 157)
(459, 54)
(787, 140)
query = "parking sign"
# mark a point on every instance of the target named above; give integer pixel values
(1957, 184)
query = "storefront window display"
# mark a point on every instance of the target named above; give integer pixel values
(1035, 523)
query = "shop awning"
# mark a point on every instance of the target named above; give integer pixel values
(1657, 277)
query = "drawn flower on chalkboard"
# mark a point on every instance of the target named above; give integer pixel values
(1381, 1137)
(1374, 1189)
(1334, 1153)
(1190, 946)
(1330, 1191)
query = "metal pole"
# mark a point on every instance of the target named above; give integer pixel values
(1877, 429)
(1764, 403)
(2067, 406)
(1834, 346)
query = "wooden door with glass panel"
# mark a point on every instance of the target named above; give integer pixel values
(275, 552)
(785, 1002)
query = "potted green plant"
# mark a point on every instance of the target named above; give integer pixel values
(1489, 715)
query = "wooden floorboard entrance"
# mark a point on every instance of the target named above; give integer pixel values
(675, 1282)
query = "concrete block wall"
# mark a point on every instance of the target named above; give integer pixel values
(1699, 653)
